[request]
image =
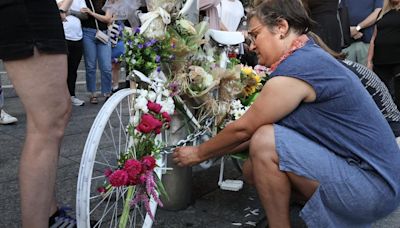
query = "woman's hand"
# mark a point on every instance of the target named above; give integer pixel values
(186, 156)
(86, 10)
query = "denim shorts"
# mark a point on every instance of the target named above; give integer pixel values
(350, 193)
(25, 24)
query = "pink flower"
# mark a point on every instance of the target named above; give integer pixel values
(118, 178)
(166, 116)
(148, 162)
(148, 123)
(142, 178)
(133, 168)
(101, 189)
(154, 106)
(108, 172)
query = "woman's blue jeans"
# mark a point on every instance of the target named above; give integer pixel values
(96, 51)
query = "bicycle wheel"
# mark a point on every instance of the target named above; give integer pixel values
(107, 139)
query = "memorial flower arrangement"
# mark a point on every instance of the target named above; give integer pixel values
(144, 54)
(136, 166)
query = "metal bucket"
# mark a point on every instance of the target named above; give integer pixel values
(178, 181)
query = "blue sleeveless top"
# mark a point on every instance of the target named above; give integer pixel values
(344, 117)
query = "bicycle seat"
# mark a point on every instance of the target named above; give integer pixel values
(225, 37)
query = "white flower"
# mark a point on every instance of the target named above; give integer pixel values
(141, 104)
(142, 92)
(165, 93)
(207, 80)
(152, 96)
(168, 105)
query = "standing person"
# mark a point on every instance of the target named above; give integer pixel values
(230, 13)
(375, 87)
(33, 48)
(96, 51)
(210, 9)
(323, 138)
(325, 14)
(5, 118)
(73, 35)
(384, 50)
(362, 17)
(122, 11)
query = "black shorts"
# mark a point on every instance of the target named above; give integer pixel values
(25, 24)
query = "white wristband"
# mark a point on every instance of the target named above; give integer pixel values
(358, 28)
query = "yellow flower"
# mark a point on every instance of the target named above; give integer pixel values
(247, 70)
(257, 78)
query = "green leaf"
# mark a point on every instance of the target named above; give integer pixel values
(161, 188)
(244, 155)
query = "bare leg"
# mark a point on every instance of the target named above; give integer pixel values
(40, 82)
(274, 186)
(116, 68)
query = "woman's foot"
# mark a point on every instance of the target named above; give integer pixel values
(106, 96)
(93, 100)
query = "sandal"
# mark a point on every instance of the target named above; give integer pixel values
(61, 219)
(93, 100)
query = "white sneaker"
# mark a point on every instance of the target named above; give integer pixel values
(5, 118)
(76, 102)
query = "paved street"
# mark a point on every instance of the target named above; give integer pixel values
(209, 207)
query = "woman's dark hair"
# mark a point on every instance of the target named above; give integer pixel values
(271, 12)
(321, 43)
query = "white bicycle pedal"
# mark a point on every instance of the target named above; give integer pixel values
(231, 185)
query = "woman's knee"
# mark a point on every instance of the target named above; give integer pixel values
(52, 122)
(262, 142)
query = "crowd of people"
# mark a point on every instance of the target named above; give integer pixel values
(330, 138)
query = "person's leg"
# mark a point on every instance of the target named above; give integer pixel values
(396, 82)
(351, 52)
(90, 56)
(40, 83)
(116, 71)
(362, 53)
(273, 185)
(104, 57)
(385, 73)
(74, 58)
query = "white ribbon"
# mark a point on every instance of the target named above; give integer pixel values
(148, 18)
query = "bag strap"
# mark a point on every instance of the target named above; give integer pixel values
(95, 20)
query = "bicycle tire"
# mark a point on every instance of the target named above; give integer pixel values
(107, 138)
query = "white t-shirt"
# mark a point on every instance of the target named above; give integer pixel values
(230, 12)
(73, 27)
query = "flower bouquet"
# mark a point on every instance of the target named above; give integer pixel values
(144, 54)
(135, 170)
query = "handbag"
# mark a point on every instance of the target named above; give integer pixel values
(100, 35)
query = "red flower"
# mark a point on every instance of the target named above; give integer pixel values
(133, 168)
(154, 107)
(118, 178)
(101, 189)
(108, 172)
(166, 116)
(148, 123)
(148, 162)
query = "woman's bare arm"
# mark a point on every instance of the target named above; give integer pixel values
(279, 97)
